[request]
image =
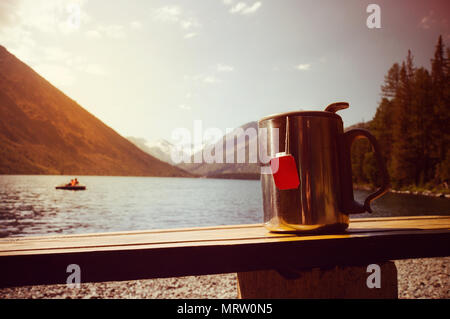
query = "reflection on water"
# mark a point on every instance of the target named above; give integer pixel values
(30, 205)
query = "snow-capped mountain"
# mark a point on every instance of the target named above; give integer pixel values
(161, 148)
(232, 143)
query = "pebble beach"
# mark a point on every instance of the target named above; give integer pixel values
(417, 278)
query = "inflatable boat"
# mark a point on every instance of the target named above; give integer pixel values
(72, 188)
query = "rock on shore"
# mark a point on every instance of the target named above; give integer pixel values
(417, 278)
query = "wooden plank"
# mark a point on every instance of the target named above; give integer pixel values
(235, 233)
(338, 282)
(354, 222)
(169, 253)
(209, 234)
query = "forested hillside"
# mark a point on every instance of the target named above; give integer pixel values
(412, 125)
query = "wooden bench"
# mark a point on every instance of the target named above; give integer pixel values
(268, 264)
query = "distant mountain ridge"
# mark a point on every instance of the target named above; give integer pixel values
(161, 148)
(247, 170)
(42, 131)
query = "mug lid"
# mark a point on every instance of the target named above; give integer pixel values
(300, 113)
(330, 111)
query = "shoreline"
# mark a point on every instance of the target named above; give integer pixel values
(422, 193)
(427, 193)
(251, 176)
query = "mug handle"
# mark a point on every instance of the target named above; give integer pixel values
(352, 206)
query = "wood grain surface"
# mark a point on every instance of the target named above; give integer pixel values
(219, 249)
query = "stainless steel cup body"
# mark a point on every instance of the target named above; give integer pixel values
(315, 141)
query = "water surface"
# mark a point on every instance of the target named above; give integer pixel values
(30, 205)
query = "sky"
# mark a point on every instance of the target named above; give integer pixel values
(148, 67)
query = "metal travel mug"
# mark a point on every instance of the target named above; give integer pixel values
(323, 199)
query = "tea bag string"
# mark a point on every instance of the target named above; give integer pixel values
(286, 141)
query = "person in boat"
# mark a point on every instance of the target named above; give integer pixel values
(73, 182)
(76, 182)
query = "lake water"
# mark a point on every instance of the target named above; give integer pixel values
(30, 205)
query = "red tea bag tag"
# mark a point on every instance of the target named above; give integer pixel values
(284, 171)
(283, 167)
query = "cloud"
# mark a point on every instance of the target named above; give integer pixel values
(24, 22)
(109, 31)
(94, 69)
(185, 107)
(168, 14)
(8, 12)
(63, 62)
(63, 16)
(81, 64)
(60, 66)
(202, 78)
(76, 61)
(431, 21)
(190, 35)
(210, 79)
(55, 54)
(21, 22)
(113, 31)
(175, 15)
(427, 21)
(136, 25)
(224, 68)
(189, 23)
(303, 67)
(243, 8)
(95, 34)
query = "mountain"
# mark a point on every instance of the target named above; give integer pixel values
(42, 131)
(161, 149)
(246, 170)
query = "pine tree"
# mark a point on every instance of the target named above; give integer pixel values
(381, 127)
(391, 82)
(382, 123)
(441, 101)
(402, 167)
(440, 79)
(421, 125)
